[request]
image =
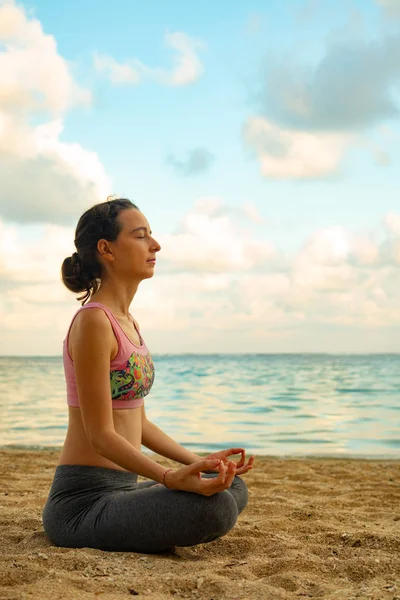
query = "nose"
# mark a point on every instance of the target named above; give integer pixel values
(156, 246)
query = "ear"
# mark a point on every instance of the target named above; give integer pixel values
(105, 250)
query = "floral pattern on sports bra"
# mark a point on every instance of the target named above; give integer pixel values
(134, 380)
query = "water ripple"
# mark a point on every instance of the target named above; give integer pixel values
(270, 404)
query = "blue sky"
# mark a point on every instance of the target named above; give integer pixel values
(283, 114)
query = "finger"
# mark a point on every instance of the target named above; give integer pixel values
(204, 465)
(242, 459)
(223, 469)
(241, 451)
(231, 472)
(228, 475)
(248, 466)
(234, 451)
(243, 470)
(214, 484)
(250, 462)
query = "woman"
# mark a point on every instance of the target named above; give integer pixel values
(95, 500)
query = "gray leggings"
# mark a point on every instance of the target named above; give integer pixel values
(97, 507)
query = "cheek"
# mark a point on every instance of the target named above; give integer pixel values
(130, 252)
(137, 250)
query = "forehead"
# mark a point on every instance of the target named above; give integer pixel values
(132, 218)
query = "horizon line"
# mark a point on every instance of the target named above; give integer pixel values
(308, 353)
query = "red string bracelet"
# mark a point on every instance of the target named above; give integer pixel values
(163, 477)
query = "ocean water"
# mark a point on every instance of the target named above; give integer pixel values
(297, 405)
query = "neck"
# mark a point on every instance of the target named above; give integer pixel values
(116, 296)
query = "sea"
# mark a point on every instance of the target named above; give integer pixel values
(273, 405)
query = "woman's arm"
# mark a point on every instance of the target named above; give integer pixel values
(159, 442)
(91, 345)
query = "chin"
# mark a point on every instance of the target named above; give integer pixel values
(148, 275)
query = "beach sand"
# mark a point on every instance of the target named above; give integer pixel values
(314, 528)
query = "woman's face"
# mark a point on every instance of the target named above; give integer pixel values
(129, 254)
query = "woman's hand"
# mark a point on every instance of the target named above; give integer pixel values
(241, 466)
(188, 478)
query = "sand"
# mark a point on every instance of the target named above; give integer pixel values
(314, 528)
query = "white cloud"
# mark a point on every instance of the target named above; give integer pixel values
(252, 213)
(42, 178)
(210, 241)
(291, 154)
(392, 223)
(187, 66)
(327, 247)
(364, 251)
(25, 261)
(118, 73)
(219, 280)
(391, 6)
(33, 75)
(343, 278)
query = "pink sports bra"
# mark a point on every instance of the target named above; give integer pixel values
(131, 371)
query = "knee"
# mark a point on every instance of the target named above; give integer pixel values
(241, 493)
(222, 513)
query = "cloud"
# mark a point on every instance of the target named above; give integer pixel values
(392, 223)
(392, 7)
(247, 212)
(309, 114)
(26, 261)
(34, 77)
(198, 161)
(118, 73)
(342, 278)
(222, 282)
(42, 179)
(211, 238)
(45, 180)
(380, 143)
(351, 88)
(186, 70)
(339, 278)
(293, 154)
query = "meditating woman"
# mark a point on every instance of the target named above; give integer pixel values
(95, 499)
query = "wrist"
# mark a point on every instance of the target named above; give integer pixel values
(164, 482)
(195, 458)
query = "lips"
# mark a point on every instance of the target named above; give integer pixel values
(153, 260)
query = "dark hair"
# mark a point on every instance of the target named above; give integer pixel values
(81, 272)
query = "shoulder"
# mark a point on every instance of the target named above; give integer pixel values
(91, 327)
(92, 317)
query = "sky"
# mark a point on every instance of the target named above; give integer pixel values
(260, 140)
